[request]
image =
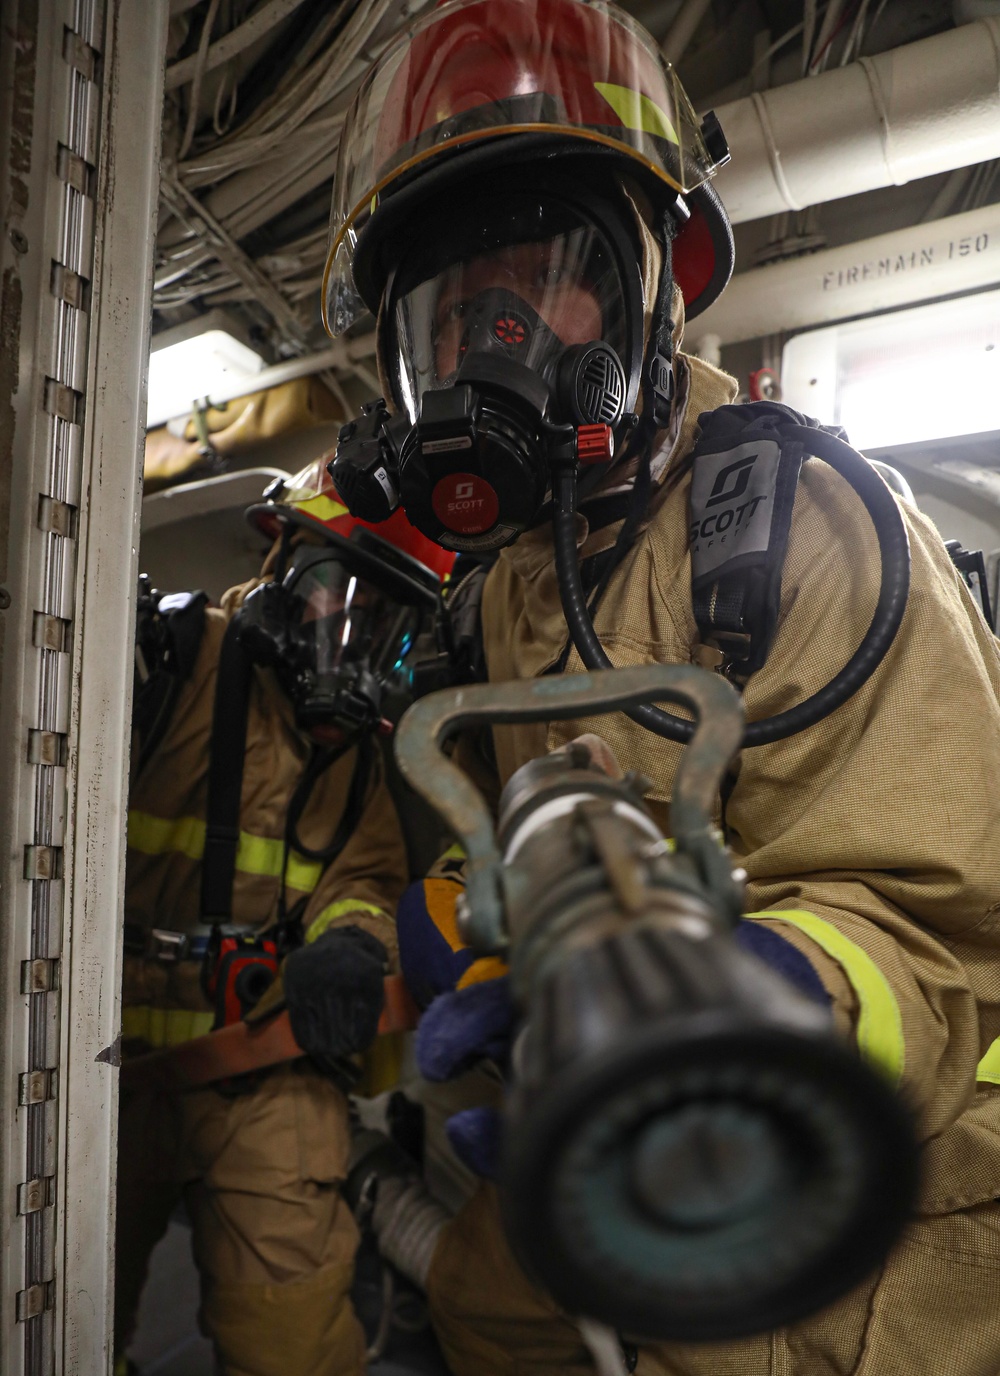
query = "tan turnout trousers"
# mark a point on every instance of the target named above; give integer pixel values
(273, 1240)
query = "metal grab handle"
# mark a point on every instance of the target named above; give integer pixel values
(424, 728)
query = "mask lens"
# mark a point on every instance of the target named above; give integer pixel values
(517, 292)
(340, 621)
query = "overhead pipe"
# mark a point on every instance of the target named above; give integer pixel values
(921, 109)
(956, 254)
(683, 29)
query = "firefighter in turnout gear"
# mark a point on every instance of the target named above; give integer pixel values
(264, 863)
(523, 198)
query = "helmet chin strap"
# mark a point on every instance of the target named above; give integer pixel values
(657, 400)
(658, 366)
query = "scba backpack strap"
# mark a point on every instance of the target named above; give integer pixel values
(745, 472)
(169, 629)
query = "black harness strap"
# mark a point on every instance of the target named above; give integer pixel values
(169, 629)
(227, 754)
(321, 761)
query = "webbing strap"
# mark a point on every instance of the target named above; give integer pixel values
(880, 1022)
(988, 1069)
(227, 753)
(258, 855)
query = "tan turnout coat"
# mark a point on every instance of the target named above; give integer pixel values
(166, 831)
(872, 842)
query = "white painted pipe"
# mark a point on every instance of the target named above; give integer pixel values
(964, 11)
(960, 253)
(682, 30)
(924, 108)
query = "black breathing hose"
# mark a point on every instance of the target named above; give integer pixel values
(894, 550)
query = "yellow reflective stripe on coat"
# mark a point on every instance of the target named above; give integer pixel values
(161, 835)
(160, 1027)
(259, 855)
(334, 911)
(988, 1069)
(880, 1023)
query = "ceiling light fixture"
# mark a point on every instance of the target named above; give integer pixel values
(190, 361)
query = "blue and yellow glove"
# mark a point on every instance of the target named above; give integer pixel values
(469, 1015)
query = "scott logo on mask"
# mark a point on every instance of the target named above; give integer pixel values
(465, 503)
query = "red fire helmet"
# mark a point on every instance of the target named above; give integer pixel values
(511, 81)
(311, 502)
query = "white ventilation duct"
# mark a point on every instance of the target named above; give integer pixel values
(957, 254)
(912, 112)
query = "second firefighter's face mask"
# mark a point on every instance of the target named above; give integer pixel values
(333, 638)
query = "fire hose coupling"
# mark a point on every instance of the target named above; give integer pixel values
(690, 1152)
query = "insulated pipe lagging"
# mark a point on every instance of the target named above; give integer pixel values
(894, 588)
(683, 28)
(914, 111)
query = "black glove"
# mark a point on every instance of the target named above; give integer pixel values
(333, 989)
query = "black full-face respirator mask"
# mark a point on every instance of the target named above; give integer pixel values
(336, 627)
(513, 340)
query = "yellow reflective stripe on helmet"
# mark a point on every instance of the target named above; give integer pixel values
(161, 1027)
(988, 1069)
(322, 508)
(334, 911)
(637, 111)
(880, 1023)
(258, 855)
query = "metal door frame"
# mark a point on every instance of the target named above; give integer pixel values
(80, 111)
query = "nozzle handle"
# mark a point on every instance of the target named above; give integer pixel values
(718, 713)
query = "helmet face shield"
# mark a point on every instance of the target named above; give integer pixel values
(334, 638)
(338, 620)
(518, 292)
(474, 71)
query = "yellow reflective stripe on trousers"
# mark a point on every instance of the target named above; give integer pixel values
(260, 855)
(880, 1023)
(334, 911)
(988, 1069)
(160, 1027)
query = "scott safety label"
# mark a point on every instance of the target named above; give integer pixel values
(732, 505)
(446, 446)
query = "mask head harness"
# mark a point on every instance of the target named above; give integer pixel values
(338, 618)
